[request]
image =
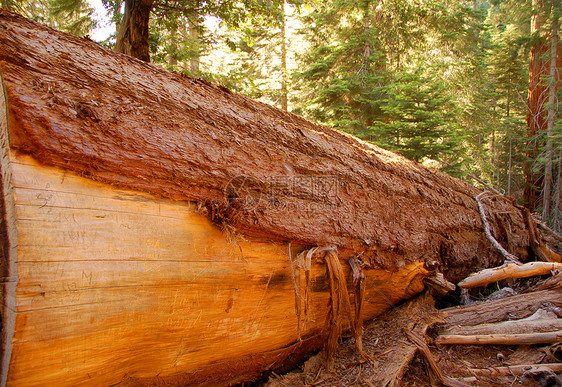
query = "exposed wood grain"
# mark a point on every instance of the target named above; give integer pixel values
(501, 339)
(514, 307)
(81, 107)
(394, 350)
(8, 242)
(509, 270)
(540, 321)
(117, 284)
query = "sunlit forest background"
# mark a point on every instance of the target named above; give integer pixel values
(468, 87)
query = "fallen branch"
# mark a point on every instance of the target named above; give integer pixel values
(509, 270)
(515, 370)
(439, 283)
(538, 246)
(507, 255)
(424, 349)
(541, 321)
(358, 279)
(514, 307)
(553, 234)
(501, 339)
(393, 352)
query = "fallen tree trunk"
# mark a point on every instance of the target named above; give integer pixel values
(80, 107)
(111, 170)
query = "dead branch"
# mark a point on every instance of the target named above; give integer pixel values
(420, 343)
(507, 255)
(439, 283)
(509, 270)
(538, 246)
(541, 321)
(515, 370)
(501, 339)
(484, 183)
(549, 231)
(514, 307)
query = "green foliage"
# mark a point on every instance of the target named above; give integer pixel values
(72, 16)
(369, 72)
(420, 118)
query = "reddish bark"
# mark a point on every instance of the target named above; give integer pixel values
(132, 38)
(78, 106)
(539, 72)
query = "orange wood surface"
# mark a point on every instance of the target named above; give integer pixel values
(116, 284)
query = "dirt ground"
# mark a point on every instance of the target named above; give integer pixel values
(397, 362)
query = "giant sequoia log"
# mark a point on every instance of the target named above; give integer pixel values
(148, 216)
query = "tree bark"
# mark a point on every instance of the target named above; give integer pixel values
(515, 307)
(540, 321)
(251, 167)
(536, 101)
(547, 187)
(284, 90)
(194, 59)
(132, 38)
(557, 221)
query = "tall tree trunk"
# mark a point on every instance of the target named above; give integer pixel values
(284, 90)
(367, 48)
(557, 219)
(195, 58)
(550, 124)
(132, 38)
(510, 167)
(536, 100)
(172, 56)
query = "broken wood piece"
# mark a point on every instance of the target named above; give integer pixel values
(501, 339)
(359, 283)
(550, 232)
(394, 353)
(516, 370)
(339, 305)
(509, 270)
(499, 248)
(541, 321)
(509, 308)
(424, 349)
(439, 283)
(538, 245)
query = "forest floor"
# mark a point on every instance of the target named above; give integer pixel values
(396, 359)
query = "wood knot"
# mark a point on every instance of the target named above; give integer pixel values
(85, 111)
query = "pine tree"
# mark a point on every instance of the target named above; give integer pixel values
(72, 16)
(367, 73)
